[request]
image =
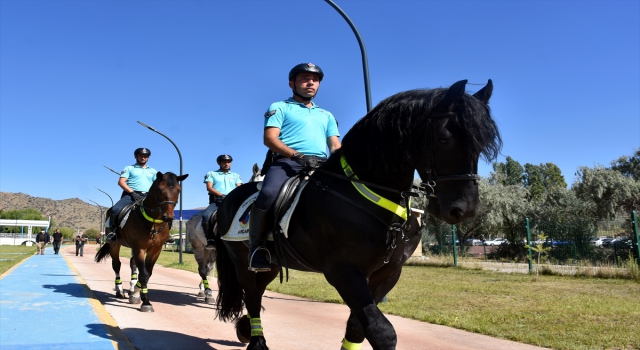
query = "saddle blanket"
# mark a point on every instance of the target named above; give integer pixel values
(239, 230)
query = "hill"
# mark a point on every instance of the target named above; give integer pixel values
(73, 213)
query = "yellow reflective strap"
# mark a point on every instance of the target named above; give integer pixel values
(372, 196)
(134, 276)
(139, 285)
(144, 290)
(147, 216)
(206, 283)
(118, 281)
(347, 345)
(256, 327)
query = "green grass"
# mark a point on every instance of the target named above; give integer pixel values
(11, 255)
(559, 312)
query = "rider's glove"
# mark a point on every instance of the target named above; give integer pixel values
(299, 158)
(135, 196)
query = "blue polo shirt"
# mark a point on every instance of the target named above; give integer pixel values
(223, 182)
(302, 129)
(139, 178)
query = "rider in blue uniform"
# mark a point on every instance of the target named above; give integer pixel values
(294, 129)
(219, 184)
(135, 180)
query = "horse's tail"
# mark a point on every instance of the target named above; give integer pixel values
(103, 252)
(230, 299)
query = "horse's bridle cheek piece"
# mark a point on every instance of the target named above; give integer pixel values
(430, 177)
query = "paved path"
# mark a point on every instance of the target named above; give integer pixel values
(180, 321)
(45, 304)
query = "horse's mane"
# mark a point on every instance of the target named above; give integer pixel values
(396, 128)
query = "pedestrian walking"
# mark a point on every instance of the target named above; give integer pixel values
(57, 241)
(42, 239)
(80, 241)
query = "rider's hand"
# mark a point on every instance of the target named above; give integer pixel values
(299, 158)
(135, 196)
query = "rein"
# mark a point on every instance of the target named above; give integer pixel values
(158, 208)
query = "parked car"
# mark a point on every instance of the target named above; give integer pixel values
(598, 242)
(607, 243)
(472, 241)
(496, 241)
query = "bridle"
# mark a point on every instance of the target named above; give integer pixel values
(158, 208)
(428, 184)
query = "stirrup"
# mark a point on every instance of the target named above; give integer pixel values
(259, 263)
(211, 244)
(110, 238)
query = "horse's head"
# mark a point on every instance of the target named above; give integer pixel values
(459, 130)
(167, 190)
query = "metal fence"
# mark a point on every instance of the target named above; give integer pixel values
(569, 242)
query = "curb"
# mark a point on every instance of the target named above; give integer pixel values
(116, 335)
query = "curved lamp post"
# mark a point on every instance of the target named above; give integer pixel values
(117, 173)
(363, 51)
(106, 194)
(179, 155)
(101, 215)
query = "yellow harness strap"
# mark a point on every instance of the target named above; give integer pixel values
(372, 196)
(147, 216)
(347, 345)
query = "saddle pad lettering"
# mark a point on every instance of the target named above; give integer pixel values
(284, 222)
(239, 230)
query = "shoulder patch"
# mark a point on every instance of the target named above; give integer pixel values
(270, 113)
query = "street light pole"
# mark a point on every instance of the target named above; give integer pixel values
(180, 156)
(106, 194)
(363, 51)
(101, 215)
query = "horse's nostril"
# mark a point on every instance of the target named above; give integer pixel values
(456, 213)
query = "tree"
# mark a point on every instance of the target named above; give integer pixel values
(512, 171)
(540, 179)
(91, 233)
(608, 189)
(628, 165)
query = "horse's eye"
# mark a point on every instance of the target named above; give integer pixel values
(444, 141)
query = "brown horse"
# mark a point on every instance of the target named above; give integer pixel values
(145, 232)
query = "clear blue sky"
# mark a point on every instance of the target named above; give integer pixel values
(75, 76)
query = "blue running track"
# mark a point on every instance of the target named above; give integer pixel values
(45, 304)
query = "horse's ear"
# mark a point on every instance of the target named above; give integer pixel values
(182, 177)
(453, 94)
(159, 175)
(484, 94)
(255, 168)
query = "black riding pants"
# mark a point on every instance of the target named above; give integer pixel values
(280, 170)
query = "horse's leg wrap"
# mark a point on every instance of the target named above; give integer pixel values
(347, 345)
(205, 283)
(134, 281)
(119, 289)
(256, 327)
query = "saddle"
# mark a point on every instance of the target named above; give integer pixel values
(123, 215)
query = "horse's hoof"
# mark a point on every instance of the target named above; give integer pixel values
(201, 294)
(243, 329)
(210, 300)
(134, 300)
(146, 308)
(119, 295)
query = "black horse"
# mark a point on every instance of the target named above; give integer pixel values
(338, 230)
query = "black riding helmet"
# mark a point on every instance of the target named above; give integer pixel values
(301, 68)
(142, 151)
(224, 157)
(305, 67)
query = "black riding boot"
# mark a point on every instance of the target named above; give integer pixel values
(259, 256)
(208, 234)
(111, 236)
